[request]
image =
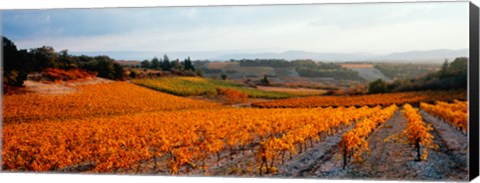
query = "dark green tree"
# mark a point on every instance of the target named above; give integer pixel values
(66, 61)
(145, 64)
(84, 59)
(14, 70)
(14, 78)
(133, 74)
(155, 63)
(444, 70)
(177, 65)
(188, 64)
(223, 76)
(265, 80)
(459, 66)
(105, 67)
(166, 65)
(25, 61)
(119, 73)
(10, 53)
(44, 57)
(377, 86)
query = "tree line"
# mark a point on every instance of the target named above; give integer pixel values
(185, 67)
(305, 68)
(451, 76)
(17, 64)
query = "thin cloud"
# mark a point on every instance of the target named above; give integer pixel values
(374, 28)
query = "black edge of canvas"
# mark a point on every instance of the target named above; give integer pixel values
(474, 92)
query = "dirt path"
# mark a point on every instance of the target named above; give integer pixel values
(395, 160)
(245, 164)
(377, 164)
(60, 87)
(452, 155)
(324, 160)
(304, 164)
(242, 164)
(453, 138)
(44, 88)
(387, 160)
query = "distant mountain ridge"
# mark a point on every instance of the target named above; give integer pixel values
(293, 55)
(439, 54)
(427, 55)
(142, 55)
(430, 54)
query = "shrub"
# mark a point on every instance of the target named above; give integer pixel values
(377, 86)
(232, 94)
(223, 76)
(66, 75)
(14, 78)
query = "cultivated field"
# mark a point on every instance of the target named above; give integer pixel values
(123, 128)
(191, 86)
(367, 71)
(93, 100)
(294, 91)
(360, 100)
(357, 65)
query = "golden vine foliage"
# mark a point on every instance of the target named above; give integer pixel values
(326, 122)
(362, 100)
(354, 142)
(186, 137)
(455, 113)
(417, 132)
(93, 100)
(114, 126)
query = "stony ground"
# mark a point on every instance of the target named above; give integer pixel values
(387, 160)
(393, 159)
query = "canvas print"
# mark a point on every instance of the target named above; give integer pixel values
(325, 91)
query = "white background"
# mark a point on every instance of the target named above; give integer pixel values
(42, 4)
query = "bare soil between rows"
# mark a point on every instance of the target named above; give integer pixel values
(387, 160)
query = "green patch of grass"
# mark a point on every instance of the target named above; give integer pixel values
(192, 86)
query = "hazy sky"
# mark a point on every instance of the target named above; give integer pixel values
(344, 28)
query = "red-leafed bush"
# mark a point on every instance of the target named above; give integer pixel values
(54, 74)
(232, 94)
